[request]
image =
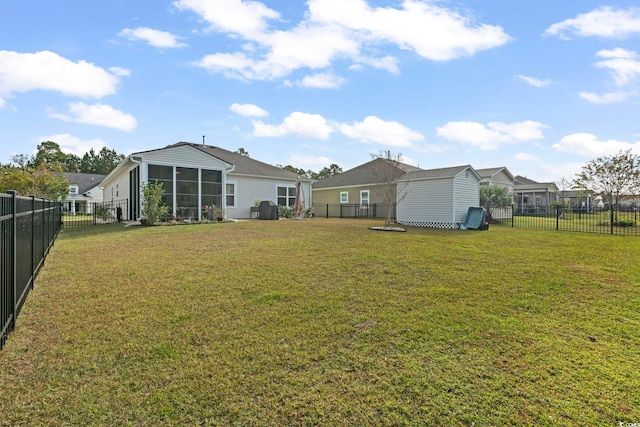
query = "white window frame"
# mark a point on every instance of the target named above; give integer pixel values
(288, 197)
(73, 189)
(368, 198)
(234, 194)
(344, 197)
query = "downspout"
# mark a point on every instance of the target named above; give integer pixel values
(139, 198)
(223, 203)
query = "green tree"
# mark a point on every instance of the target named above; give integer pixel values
(49, 152)
(242, 152)
(44, 181)
(297, 171)
(494, 197)
(152, 208)
(103, 162)
(611, 177)
(333, 169)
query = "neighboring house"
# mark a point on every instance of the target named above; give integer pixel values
(358, 186)
(197, 175)
(501, 177)
(438, 198)
(581, 200)
(84, 191)
(532, 196)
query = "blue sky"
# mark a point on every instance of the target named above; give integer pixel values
(540, 87)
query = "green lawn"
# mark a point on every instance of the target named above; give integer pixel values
(324, 322)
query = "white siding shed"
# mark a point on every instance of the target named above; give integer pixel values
(438, 198)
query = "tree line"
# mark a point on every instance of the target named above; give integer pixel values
(41, 174)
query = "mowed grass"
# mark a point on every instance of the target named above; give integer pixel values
(324, 322)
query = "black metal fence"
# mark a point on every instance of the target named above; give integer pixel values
(28, 228)
(345, 210)
(605, 220)
(98, 213)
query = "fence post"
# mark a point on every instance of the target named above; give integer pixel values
(611, 215)
(14, 253)
(327, 210)
(513, 215)
(33, 239)
(557, 218)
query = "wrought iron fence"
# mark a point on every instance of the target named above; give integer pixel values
(98, 213)
(28, 228)
(345, 210)
(605, 220)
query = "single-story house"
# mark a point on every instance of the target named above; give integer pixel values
(438, 198)
(532, 196)
(195, 176)
(84, 190)
(359, 188)
(500, 177)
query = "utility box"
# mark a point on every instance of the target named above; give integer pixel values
(268, 210)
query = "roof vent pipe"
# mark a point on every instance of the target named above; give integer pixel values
(202, 139)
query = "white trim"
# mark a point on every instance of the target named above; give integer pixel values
(346, 199)
(368, 193)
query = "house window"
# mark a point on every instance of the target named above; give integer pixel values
(364, 198)
(286, 196)
(231, 194)
(187, 192)
(211, 188)
(163, 175)
(344, 197)
(73, 189)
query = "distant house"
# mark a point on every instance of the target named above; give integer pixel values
(581, 200)
(357, 189)
(501, 177)
(438, 198)
(532, 196)
(196, 175)
(84, 191)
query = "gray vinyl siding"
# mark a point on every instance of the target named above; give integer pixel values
(426, 202)
(184, 156)
(467, 194)
(250, 189)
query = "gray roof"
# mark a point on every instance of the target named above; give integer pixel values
(244, 165)
(487, 173)
(437, 173)
(84, 181)
(519, 179)
(365, 174)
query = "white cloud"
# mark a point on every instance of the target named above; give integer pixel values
(245, 18)
(532, 81)
(97, 114)
(622, 64)
(601, 22)
(525, 157)
(248, 110)
(322, 81)
(374, 129)
(70, 144)
(310, 162)
(155, 38)
(431, 31)
(607, 98)
(493, 135)
(301, 124)
(337, 29)
(587, 144)
(44, 70)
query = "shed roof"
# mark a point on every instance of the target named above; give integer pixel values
(440, 173)
(365, 174)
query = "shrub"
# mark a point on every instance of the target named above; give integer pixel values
(152, 207)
